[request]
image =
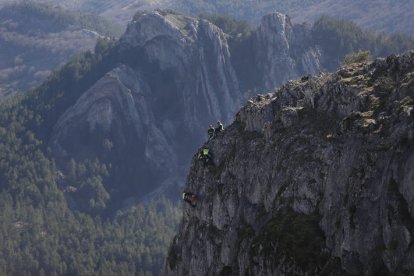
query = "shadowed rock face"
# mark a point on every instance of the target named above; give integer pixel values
(154, 109)
(316, 177)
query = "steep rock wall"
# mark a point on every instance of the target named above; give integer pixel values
(175, 75)
(314, 178)
(154, 108)
(283, 51)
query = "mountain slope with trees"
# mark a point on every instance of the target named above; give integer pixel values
(376, 15)
(35, 39)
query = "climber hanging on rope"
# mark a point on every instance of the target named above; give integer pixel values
(205, 156)
(189, 198)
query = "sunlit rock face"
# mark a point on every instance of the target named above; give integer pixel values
(314, 178)
(284, 51)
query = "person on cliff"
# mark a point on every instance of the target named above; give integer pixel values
(205, 156)
(189, 198)
(211, 132)
(219, 127)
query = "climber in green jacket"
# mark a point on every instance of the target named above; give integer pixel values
(205, 156)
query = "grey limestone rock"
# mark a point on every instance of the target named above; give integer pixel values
(284, 51)
(175, 75)
(315, 178)
(154, 110)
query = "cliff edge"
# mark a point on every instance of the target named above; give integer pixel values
(314, 178)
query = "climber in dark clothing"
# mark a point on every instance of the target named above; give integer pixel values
(189, 198)
(205, 156)
(211, 132)
(219, 127)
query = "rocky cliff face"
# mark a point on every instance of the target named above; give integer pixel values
(148, 114)
(314, 178)
(175, 75)
(283, 51)
(154, 109)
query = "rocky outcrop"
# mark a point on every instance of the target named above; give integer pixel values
(314, 178)
(196, 51)
(284, 51)
(146, 116)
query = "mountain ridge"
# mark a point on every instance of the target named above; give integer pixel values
(36, 39)
(381, 16)
(369, 14)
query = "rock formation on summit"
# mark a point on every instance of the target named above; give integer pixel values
(153, 109)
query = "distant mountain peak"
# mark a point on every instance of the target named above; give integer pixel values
(175, 77)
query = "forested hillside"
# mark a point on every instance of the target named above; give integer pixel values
(247, 10)
(339, 37)
(35, 39)
(44, 230)
(390, 16)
